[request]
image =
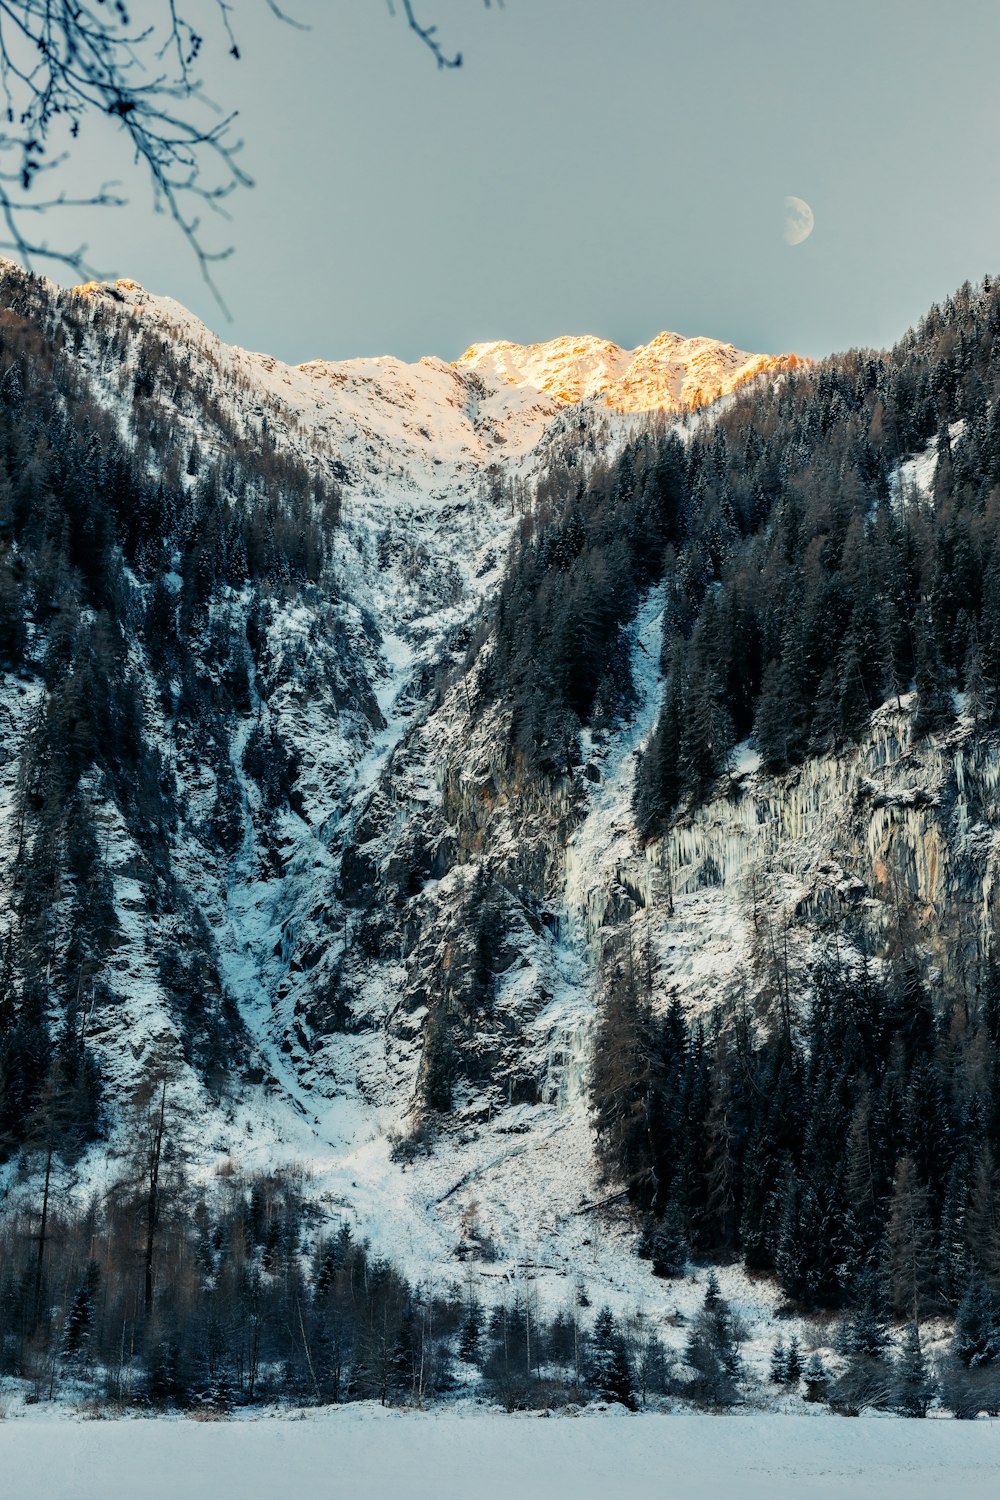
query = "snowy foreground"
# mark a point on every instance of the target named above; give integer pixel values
(369, 1454)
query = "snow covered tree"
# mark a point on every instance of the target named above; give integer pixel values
(864, 1339)
(913, 1387)
(669, 1250)
(80, 1317)
(816, 1379)
(610, 1365)
(470, 1337)
(439, 1064)
(712, 1350)
(976, 1340)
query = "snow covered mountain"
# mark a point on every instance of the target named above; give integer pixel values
(362, 894)
(318, 937)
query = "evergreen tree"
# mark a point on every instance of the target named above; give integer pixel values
(80, 1317)
(952, 1261)
(976, 1340)
(610, 1366)
(470, 1338)
(934, 704)
(913, 1389)
(712, 1350)
(911, 1244)
(438, 1064)
(865, 1331)
(669, 1250)
(816, 1379)
(864, 1339)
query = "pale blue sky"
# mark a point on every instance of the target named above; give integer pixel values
(597, 166)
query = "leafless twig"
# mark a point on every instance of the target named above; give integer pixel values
(428, 34)
(65, 63)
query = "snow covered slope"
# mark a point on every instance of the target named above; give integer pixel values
(431, 425)
(330, 925)
(329, 928)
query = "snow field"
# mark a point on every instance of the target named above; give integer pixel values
(373, 1454)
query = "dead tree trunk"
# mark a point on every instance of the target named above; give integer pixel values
(42, 1234)
(153, 1202)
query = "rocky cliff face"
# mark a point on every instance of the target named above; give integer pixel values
(323, 919)
(888, 846)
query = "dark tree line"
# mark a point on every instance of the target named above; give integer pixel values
(856, 1150)
(158, 1296)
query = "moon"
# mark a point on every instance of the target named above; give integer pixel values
(799, 221)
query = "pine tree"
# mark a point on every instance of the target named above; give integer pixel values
(610, 1366)
(952, 1262)
(780, 723)
(80, 1317)
(816, 1379)
(669, 1251)
(470, 1337)
(981, 702)
(712, 1350)
(864, 1339)
(866, 1330)
(911, 1244)
(852, 705)
(983, 1222)
(976, 1340)
(778, 1368)
(659, 784)
(913, 1389)
(706, 738)
(934, 704)
(439, 1064)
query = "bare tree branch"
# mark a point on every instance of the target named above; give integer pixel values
(428, 34)
(66, 63)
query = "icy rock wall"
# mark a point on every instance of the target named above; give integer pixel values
(888, 824)
(520, 822)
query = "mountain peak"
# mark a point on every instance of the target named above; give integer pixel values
(671, 373)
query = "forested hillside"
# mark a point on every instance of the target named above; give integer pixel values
(574, 833)
(113, 542)
(808, 578)
(826, 544)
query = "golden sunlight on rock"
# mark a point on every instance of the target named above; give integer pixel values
(669, 374)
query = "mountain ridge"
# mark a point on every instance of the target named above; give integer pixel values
(671, 374)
